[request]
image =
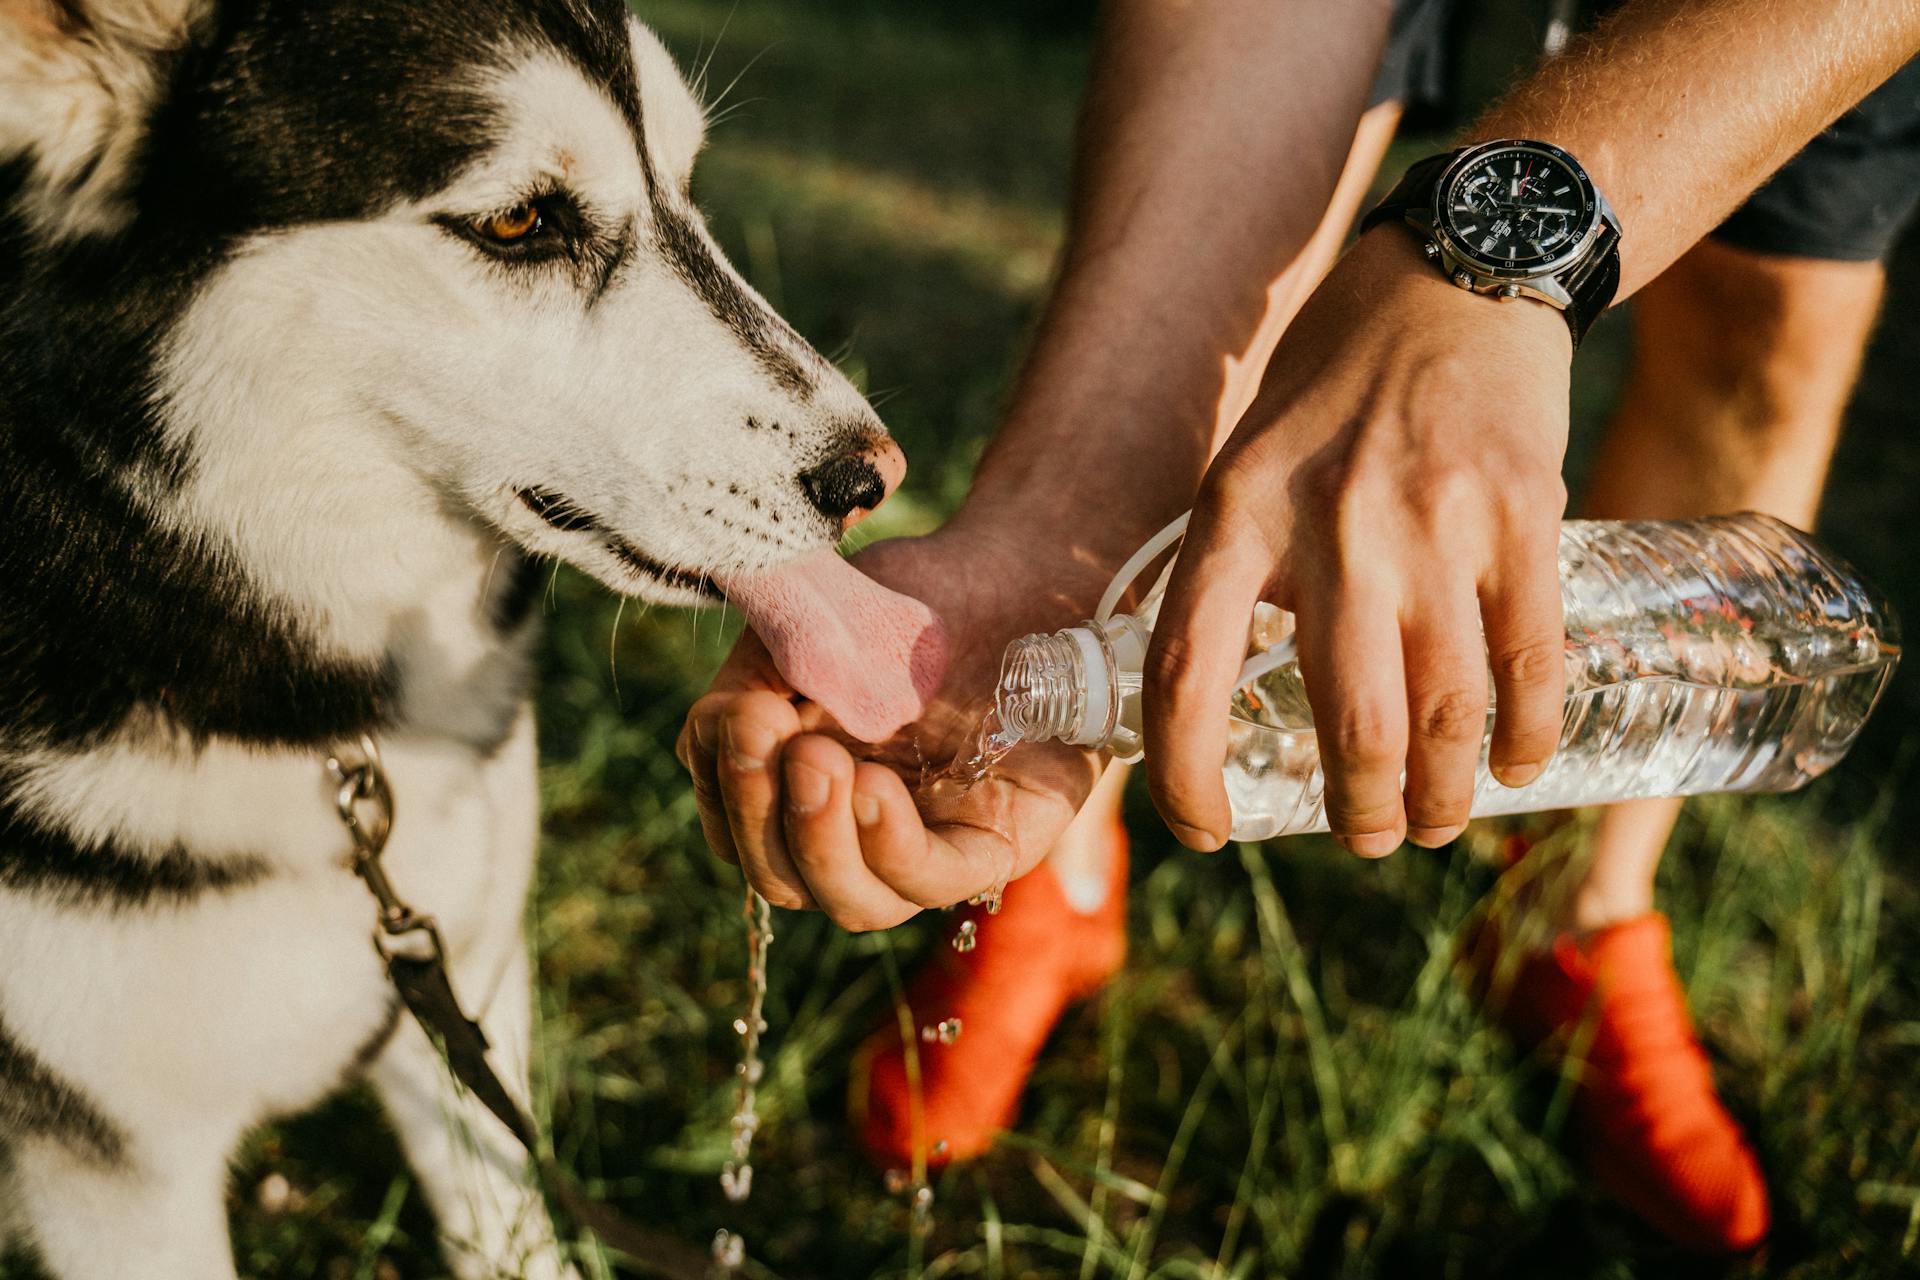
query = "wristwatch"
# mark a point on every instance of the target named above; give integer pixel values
(1514, 218)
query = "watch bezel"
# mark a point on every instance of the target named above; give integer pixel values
(1441, 223)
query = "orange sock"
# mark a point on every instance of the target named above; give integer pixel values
(1646, 1116)
(1029, 962)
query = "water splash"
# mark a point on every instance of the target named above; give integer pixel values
(966, 937)
(991, 743)
(736, 1175)
(729, 1252)
(945, 1031)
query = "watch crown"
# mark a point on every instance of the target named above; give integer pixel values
(1509, 291)
(1463, 279)
(1431, 249)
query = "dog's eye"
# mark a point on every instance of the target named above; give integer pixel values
(514, 225)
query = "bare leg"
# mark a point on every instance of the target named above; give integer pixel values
(1742, 366)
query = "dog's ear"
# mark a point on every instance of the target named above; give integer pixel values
(77, 80)
(676, 123)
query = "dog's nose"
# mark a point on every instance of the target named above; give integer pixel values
(848, 487)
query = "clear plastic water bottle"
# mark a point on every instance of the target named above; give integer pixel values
(1727, 654)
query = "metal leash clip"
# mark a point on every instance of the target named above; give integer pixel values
(364, 800)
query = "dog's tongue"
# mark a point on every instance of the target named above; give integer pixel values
(872, 658)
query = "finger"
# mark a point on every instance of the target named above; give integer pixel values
(1526, 648)
(903, 852)
(1350, 659)
(824, 837)
(1446, 676)
(697, 748)
(966, 854)
(1199, 644)
(749, 667)
(753, 729)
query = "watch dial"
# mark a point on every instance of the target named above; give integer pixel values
(1517, 208)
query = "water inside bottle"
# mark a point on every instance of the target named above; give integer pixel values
(1727, 654)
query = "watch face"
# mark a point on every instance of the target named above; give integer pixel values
(1518, 210)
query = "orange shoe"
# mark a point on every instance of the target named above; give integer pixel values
(1029, 962)
(1654, 1132)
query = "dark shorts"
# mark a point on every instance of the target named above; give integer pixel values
(1846, 196)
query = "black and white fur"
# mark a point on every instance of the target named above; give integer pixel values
(280, 429)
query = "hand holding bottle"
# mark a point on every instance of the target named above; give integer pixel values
(1396, 486)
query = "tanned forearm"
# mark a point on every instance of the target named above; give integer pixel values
(1212, 136)
(1679, 109)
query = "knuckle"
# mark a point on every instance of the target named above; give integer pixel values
(1531, 663)
(1452, 717)
(1447, 492)
(1172, 660)
(1364, 737)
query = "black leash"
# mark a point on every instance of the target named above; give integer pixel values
(415, 954)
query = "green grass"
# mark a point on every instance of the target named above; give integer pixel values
(1288, 1080)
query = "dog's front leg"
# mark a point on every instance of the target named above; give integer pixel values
(156, 1211)
(477, 1179)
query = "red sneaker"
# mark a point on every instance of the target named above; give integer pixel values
(1030, 961)
(1646, 1116)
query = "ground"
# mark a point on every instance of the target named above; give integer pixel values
(1287, 1080)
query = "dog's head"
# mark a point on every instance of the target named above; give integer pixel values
(438, 244)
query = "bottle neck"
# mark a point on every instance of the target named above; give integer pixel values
(1057, 687)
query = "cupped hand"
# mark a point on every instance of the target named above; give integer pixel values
(815, 819)
(1396, 486)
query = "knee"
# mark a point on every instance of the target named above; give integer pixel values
(1774, 342)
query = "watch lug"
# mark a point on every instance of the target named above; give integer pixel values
(1547, 289)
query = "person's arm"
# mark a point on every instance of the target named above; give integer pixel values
(1679, 109)
(1212, 138)
(1397, 482)
(1210, 142)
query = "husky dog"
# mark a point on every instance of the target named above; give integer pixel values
(318, 320)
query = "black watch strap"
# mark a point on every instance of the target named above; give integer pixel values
(1413, 191)
(1591, 283)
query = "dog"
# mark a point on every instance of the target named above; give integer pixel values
(322, 324)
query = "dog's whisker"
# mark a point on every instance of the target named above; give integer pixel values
(738, 76)
(613, 650)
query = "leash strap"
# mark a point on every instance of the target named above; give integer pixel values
(416, 958)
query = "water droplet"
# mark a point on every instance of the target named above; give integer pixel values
(736, 1178)
(949, 1030)
(965, 939)
(923, 1209)
(895, 1181)
(941, 1147)
(729, 1250)
(992, 899)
